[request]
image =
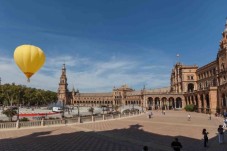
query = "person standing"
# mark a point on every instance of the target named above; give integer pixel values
(209, 116)
(176, 145)
(224, 122)
(220, 134)
(145, 148)
(205, 137)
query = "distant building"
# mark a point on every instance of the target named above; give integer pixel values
(205, 87)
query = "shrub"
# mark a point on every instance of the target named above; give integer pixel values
(190, 108)
(24, 119)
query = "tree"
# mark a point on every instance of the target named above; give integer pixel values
(91, 110)
(10, 113)
(12, 94)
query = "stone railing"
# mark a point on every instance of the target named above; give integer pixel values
(66, 121)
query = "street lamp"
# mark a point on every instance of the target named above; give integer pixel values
(78, 106)
(133, 106)
(18, 107)
(63, 114)
(103, 110)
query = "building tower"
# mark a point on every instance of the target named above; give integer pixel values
(222, 57)
(222, 71)
(62, 89)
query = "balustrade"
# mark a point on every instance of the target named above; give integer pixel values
(41, 123)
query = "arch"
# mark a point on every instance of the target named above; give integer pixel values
(196, 103)
(186, 100)
(192, 98)
(207, 99)
(150, 103)
(157, 103)
(190, 87)
(171, 103)
(202, 102)
(178, 102)
(224, 103)
(164, 103)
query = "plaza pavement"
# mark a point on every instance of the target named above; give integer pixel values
(128, 134)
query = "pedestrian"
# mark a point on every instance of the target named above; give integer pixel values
(176, 145)
(205, 137)
(150, 114)
(224, 122)
(220, 134)
(189, 117)
(145, 148)
(209, 116)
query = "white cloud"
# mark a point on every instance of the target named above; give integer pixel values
(98, 76)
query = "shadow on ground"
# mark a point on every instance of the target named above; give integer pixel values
(130, 139)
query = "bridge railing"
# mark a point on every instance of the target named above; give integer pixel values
(77, 120)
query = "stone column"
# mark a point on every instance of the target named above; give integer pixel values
(79, 121)
(42, 122)
(205, 103)
(183, 102)
(213, 99)
(18, 124)
(92, 118)
(199, 103)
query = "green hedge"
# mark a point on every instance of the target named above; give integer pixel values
(24, 119)
(190, 108)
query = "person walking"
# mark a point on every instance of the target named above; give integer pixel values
(176, 145)
(205, 137)
(189, 117)
(220, 134)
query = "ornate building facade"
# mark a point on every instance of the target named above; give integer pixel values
(124, 95)
(205, 87)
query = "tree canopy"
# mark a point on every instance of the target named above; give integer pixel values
(11, 94)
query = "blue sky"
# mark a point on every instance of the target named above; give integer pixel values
(109, 43)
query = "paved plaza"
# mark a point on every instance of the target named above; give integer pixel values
(128, 134)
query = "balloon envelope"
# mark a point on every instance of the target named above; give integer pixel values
(29, 59)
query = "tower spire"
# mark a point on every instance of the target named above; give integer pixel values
(63, 86)
(225, 30)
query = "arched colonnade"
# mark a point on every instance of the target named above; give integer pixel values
(200, 101)
(167, 103)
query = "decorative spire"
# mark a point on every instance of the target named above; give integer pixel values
(225, 25)
(63, 67)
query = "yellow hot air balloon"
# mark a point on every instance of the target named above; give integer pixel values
(29, 59)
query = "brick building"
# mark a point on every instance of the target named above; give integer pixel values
(205, 87)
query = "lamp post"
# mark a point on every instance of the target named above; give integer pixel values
(133, 106)
(103, 110)
(18, 107)
(78, 106)
(63, 114)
